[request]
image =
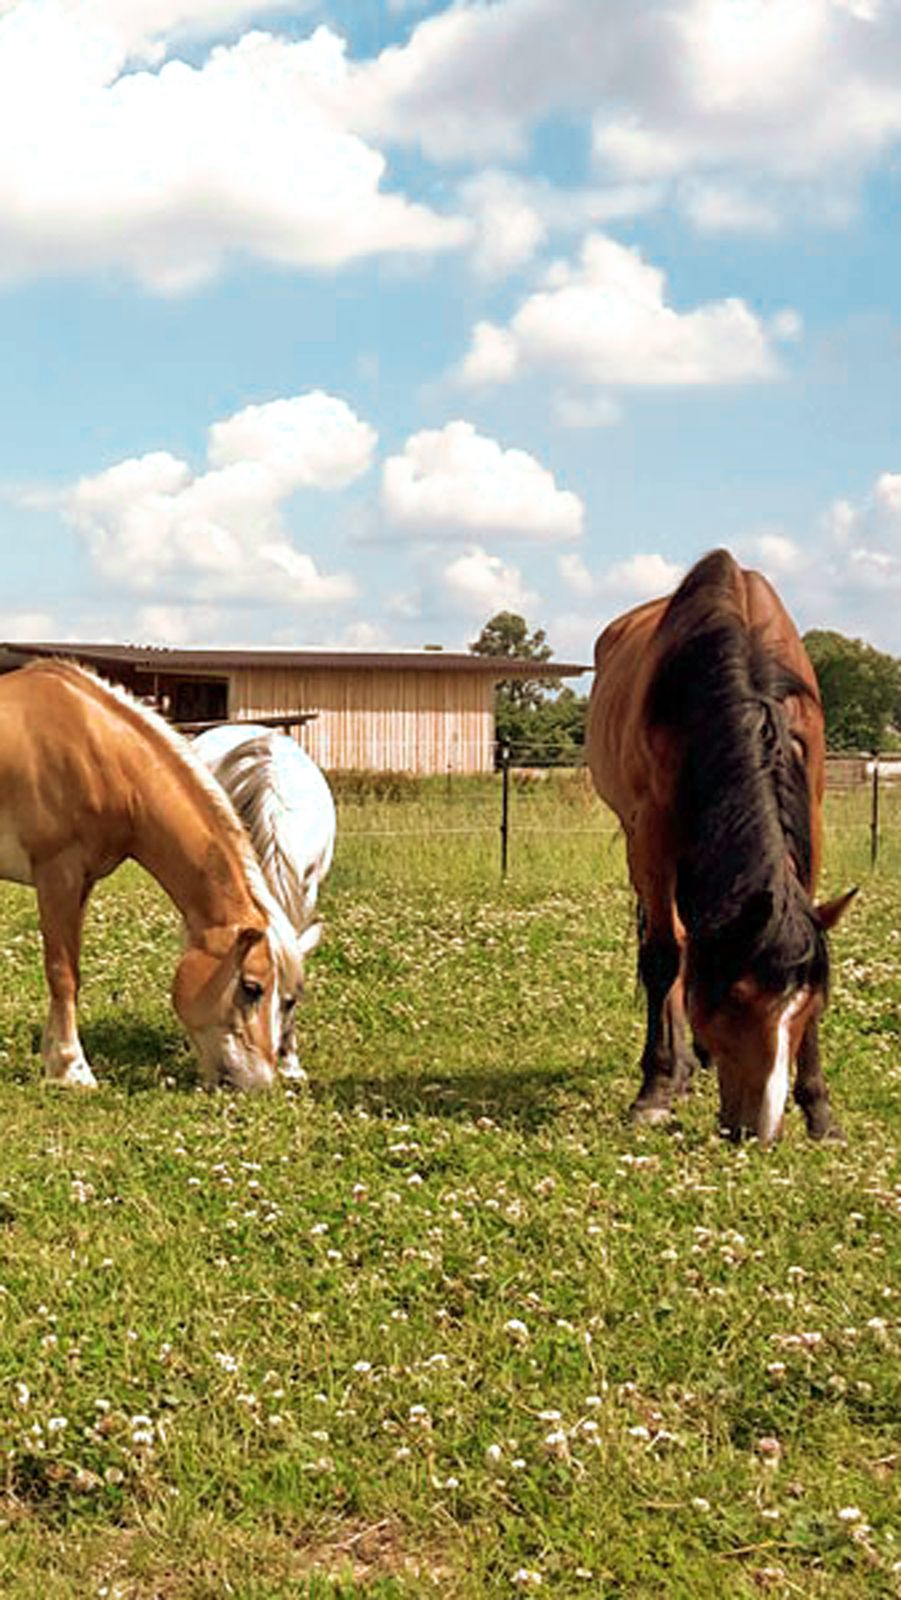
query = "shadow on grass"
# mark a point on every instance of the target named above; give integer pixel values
(527, 1099)
(138, 1056)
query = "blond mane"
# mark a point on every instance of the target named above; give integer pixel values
(180, 752)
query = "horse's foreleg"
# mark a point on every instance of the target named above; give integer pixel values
(62, 892)
(289, 1067)
(665, 1062)
(810, 1091)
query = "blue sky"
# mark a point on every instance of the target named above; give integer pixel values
(354, 322)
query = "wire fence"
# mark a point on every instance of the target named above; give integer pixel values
(527, 805)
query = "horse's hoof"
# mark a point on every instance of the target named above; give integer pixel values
(650, 1116)
(830, 1131)
(821, 1124)
(77, 1075)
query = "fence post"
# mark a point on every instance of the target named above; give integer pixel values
(505, 806)
(874, 815)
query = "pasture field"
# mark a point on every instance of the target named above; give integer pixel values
(444, 1324)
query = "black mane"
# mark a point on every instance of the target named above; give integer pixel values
(742, 801)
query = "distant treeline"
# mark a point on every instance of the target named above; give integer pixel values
(545, 726)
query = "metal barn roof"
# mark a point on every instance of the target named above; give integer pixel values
(153, 658)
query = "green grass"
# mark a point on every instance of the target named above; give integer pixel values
(445, 1324)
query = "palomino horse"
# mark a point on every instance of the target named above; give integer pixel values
(705, 735)
(89, 777)
(287, 809)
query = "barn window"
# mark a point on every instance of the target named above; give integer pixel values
(200, 700)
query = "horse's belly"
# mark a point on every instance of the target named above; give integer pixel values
(15, 862)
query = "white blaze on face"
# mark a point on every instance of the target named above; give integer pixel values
(775, 1092)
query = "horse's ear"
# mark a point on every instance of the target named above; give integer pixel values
(833, 911)
(309, 939)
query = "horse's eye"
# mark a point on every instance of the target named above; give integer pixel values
(251, 991)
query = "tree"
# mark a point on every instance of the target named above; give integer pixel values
(507, 634)
(543, 725)
(860, 687)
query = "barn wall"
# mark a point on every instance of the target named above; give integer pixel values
(410, 721)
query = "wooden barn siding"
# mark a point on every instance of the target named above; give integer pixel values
(424, 722)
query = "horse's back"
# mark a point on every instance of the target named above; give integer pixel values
(632, 760)
(619, 756)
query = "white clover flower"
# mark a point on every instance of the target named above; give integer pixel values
(22, 1394)
(494, 1455)
(526, 1578)
(849, 1514)
(227, 1362)
(517, 1330)
(362, 1366)
(57, 1424)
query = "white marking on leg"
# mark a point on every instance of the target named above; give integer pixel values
(775, 1093)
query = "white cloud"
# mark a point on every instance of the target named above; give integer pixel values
(179, 625)
(145, 27)
(796, 91)
(363, 635)
(166, 173)
(30, 625)
(864, 552)
(576, 576)
(481, 584)
(150, 521)
(777, 555)
(724, 208)
(640, 577)
(309, 441)
(606, 321)
(586, 411)
(454, 481)
(513, 215)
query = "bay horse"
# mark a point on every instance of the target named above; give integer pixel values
(89, 777)
(288, 813)
(705, 736)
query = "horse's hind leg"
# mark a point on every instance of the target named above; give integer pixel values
(62, 892)
(811, 1093)
(665, 1062)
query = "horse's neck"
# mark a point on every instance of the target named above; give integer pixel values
(179, 838)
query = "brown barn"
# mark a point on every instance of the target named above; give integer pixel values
(420, 711)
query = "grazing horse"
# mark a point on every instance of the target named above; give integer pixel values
(89, 777)
(288, 812)
(705, 735)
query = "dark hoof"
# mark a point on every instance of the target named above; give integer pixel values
(821, 1124)
(830, 1130)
